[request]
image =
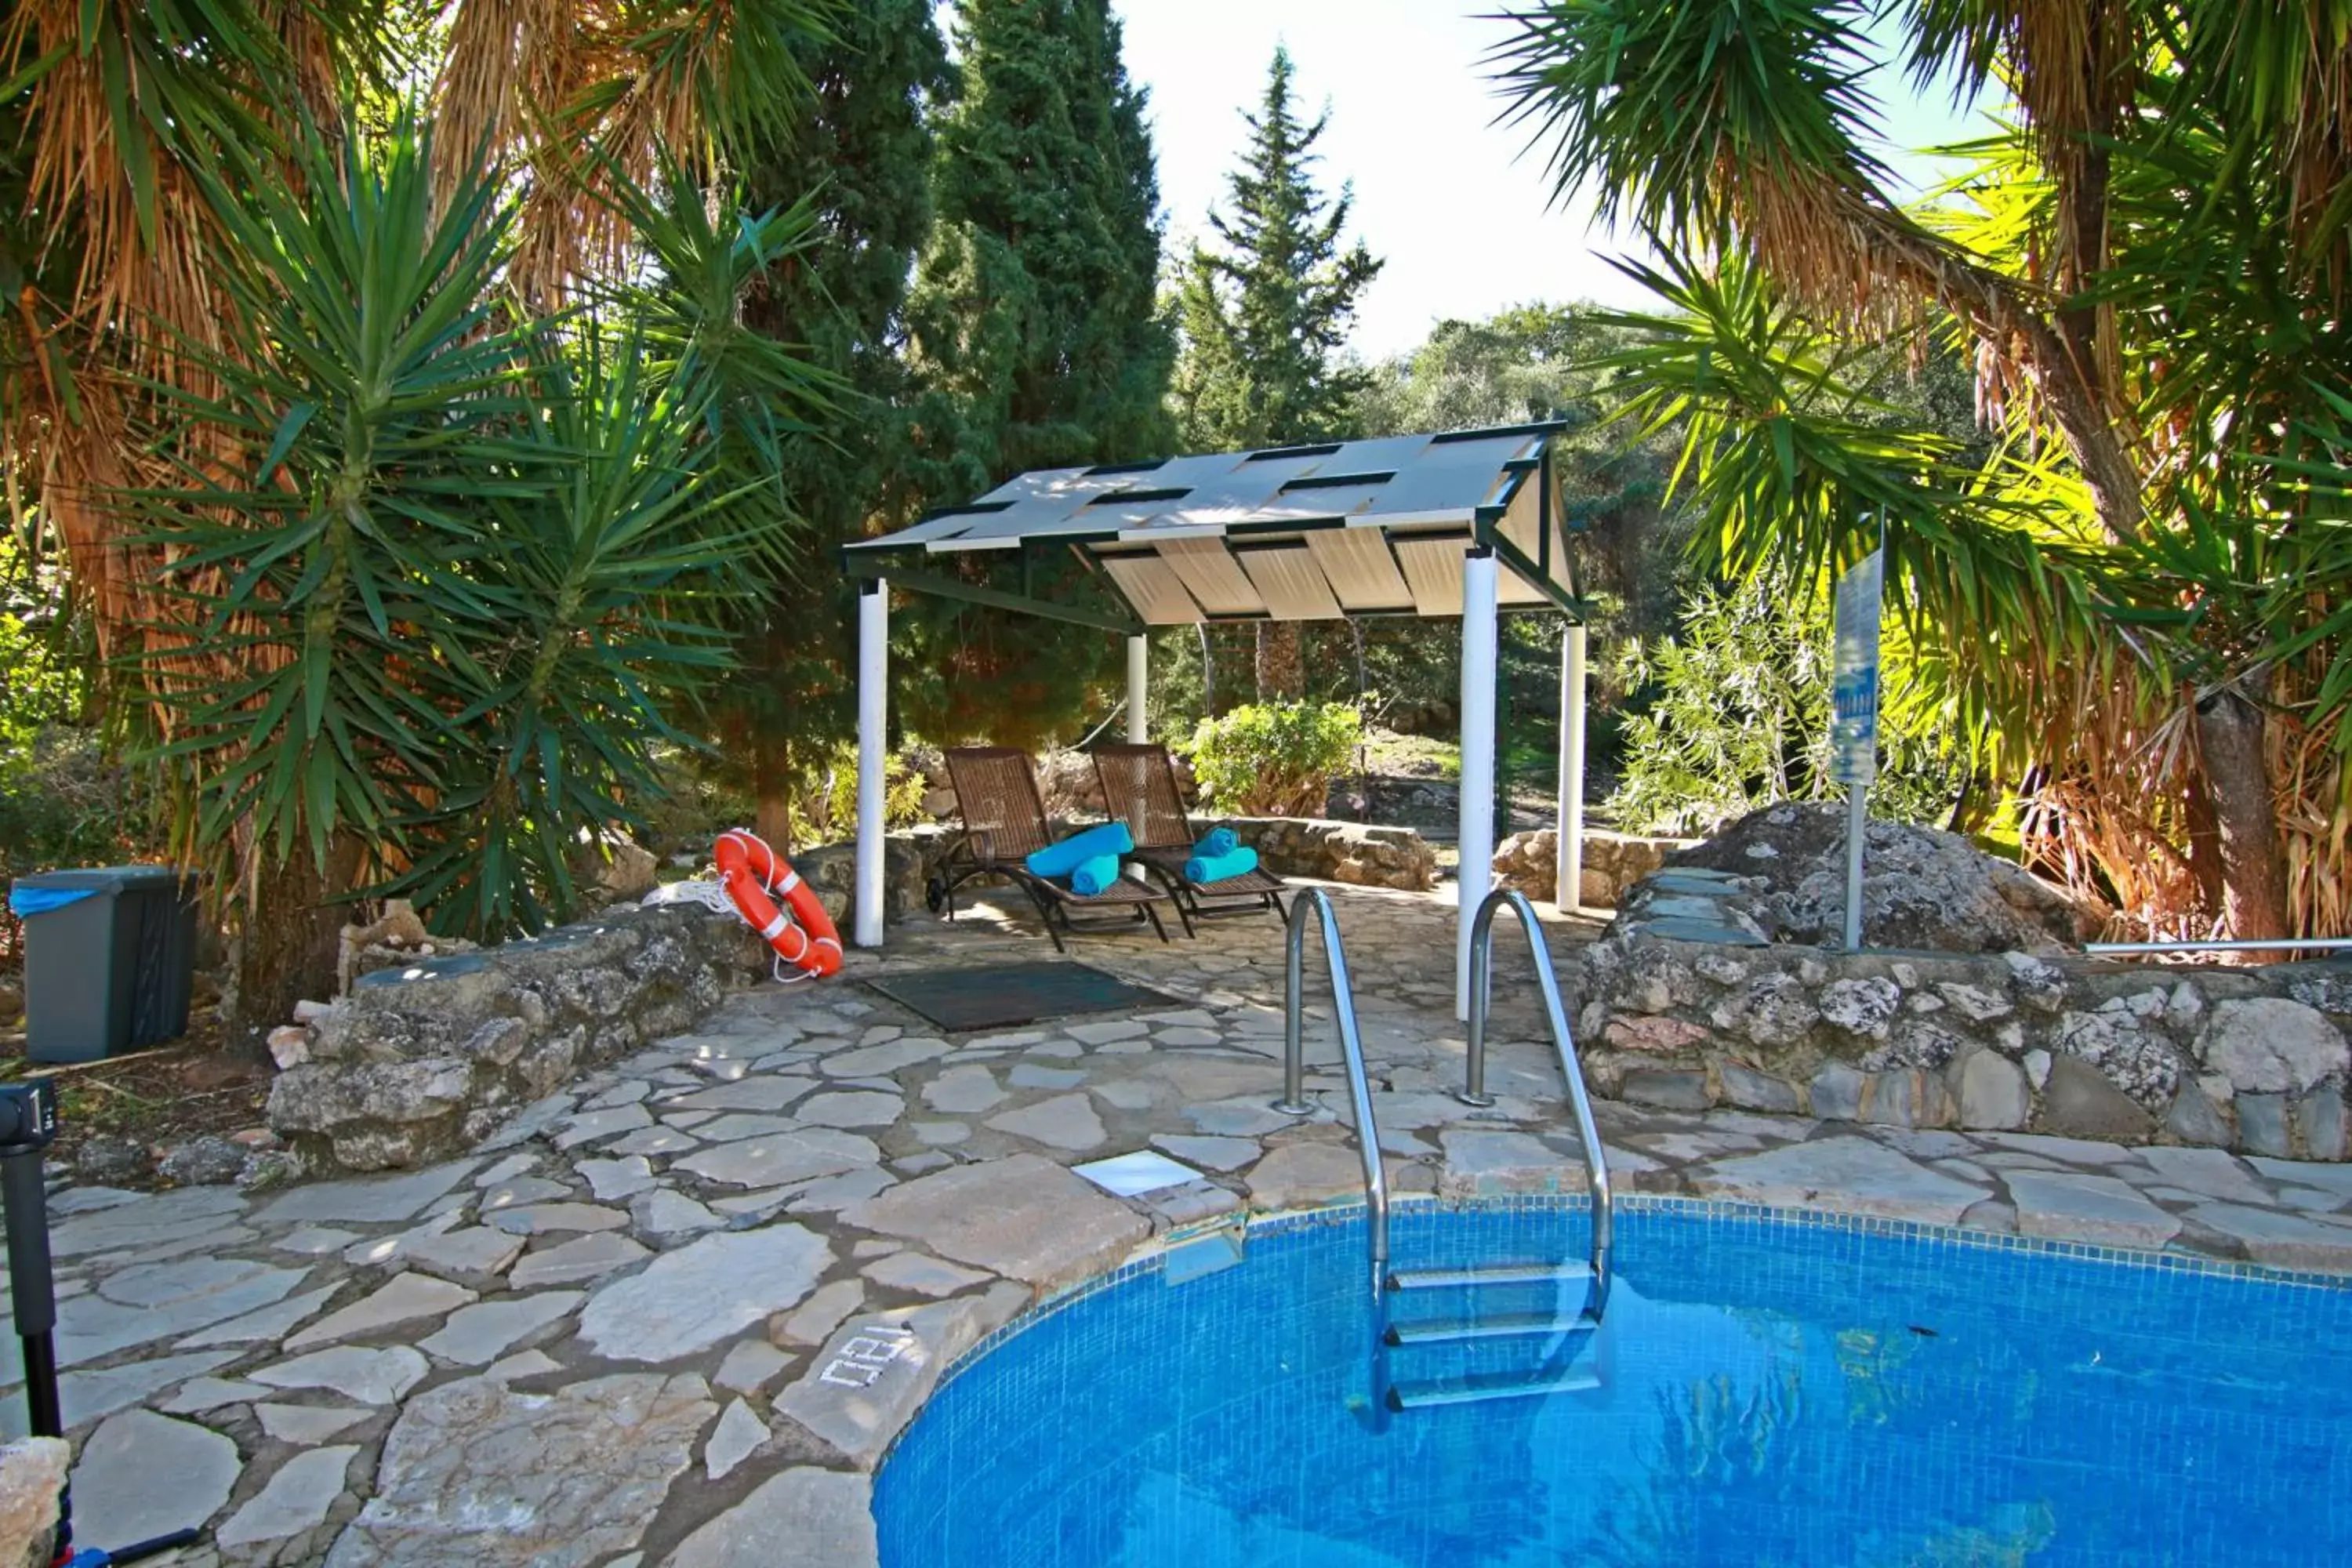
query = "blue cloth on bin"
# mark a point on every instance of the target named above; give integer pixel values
(1093, 876)
(1217, 867)
(1056, 860)
(1220, 841)
(24, 902)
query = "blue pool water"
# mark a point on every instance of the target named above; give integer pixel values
(1776, 1390)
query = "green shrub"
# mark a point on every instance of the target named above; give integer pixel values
(835, 800)
(1733, 714)
(1274, 759)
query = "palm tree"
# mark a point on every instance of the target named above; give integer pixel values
(394, 570)
(2141, 601)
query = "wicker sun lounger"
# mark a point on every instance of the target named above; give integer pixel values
(1140, 789)
(1004, 823)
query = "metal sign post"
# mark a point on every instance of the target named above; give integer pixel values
(1853, 733)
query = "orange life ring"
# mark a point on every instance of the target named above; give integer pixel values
(750, 871)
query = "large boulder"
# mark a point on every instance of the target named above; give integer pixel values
(1921, 889)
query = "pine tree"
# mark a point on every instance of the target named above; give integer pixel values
(1038, 335)
(866, 150)
(1265, 314)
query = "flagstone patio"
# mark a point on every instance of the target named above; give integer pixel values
(676, 1313)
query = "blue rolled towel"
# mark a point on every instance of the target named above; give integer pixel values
(1093, 876)
(1217, 867)
(1058, 861)
(1220, 841)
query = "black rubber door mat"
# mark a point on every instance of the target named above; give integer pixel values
(1003, 995)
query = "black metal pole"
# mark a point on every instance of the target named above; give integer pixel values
(30, 1286)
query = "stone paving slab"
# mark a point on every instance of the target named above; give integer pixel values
(634, 1329)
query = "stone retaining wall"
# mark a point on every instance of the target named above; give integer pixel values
(1613, 863)
(1351, 852)
(419, 1063)
(1683, 1012)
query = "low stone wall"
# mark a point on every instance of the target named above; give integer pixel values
(1613, 863)
(1350, 852)
(2251, 1060)
(420, 1062)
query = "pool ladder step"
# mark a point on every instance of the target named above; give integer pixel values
(1493, 1326)
(1498, 1274)
(1479, 1387)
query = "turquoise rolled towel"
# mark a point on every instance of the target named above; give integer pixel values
(1217, 867)
(1093, 876)
(1058, 860)
(1220, 841)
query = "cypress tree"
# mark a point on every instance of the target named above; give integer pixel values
(866, 148)
(1266, 313)
(1039, 337)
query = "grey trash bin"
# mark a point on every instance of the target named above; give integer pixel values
(110, 971)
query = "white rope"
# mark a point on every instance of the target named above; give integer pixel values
(711, 896)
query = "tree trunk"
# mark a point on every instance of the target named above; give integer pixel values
(2245, 818)
(290, 941)
(1281, 668)
(773, 818)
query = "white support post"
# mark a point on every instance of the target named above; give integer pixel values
(1568, 890)
(1476, 834)
(873, 714)
(1139, 674)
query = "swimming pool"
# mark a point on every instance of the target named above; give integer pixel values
(1774, 1388)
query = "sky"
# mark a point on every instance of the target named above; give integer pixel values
(1461, 216)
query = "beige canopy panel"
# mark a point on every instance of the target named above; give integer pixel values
(1288, 534)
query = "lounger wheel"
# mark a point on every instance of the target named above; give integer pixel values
(935, 894)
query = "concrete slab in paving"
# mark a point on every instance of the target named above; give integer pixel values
(2215, 1173)
(481, 1334)
(141, 1475)
(270, 1323)
(706, 1291)
(1482, 1164)
(2281, 1240)
(370, 1376)
(1065, 1122)
(610, 1181)
(828, 1515)
(767, 1092)
(85, 1395)
(163, 1217)
(2327, 1177)
(922, 1276)
(573, 1262)
(1209, 1154)
(379, 1200)
(850, 1108)
(165, 1300)
(303, 1425)
(882, 1059)
(1023, 1218)
(738, 1435)
(295, 1499)
(2068, 1150)
(878, 1367)
(405, 1298)
(2079, 1207)
(1855, 1173)
(1306, 1175)
(780, 1157)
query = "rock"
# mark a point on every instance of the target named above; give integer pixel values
(1774, 1012)
(2262, 1124)
(2195, 1119)
(1658, 1034)
(1023, 1218)
(1992, 1092)
(1751, 1090)
(1667, 1090)
(1922, 889)
(2272, 1046)
(103, 1157)
(2319, 1122)
(1861, 1008)
(289, 1045)
(704, 1292)
(206, 1162)
(295, 1499)
(476, 1471)
(1837, 1092)
(32, 1477)
(2079, 1102)
(2128, 1053)
(828, 1515)
(141, 1475)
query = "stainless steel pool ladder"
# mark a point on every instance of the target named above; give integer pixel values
(1569, 1334)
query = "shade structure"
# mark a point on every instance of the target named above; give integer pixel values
(1284, 533)
(1460, 523)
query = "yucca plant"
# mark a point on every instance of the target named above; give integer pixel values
(442, 570)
